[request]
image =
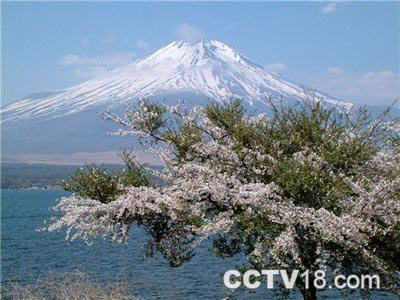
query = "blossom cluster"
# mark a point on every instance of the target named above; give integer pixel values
(220, 185)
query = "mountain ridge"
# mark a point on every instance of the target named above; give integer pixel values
(207, 68)
(68, 121)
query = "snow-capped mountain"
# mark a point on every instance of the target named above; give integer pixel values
(209, 70)
(68, 121)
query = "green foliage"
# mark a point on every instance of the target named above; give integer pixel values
(154, 117)
(344, 141)
(98, 183)
(226, 115)
(320, 159)
(183, 140)
(93, 182)
(132, 174)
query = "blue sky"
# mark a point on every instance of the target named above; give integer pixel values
(348, 49)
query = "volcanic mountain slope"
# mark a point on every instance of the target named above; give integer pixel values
(211, 70)
(196, 72)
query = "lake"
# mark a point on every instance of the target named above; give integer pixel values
(26, 254)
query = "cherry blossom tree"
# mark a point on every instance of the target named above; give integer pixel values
(302, 188)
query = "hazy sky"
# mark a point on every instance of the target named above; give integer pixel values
(347, 49)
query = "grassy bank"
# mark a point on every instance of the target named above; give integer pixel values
(72, 286)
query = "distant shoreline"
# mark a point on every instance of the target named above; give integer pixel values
(38, 176)
(41, 176)
(55, 188)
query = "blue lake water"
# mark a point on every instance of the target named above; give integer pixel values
(26, 254)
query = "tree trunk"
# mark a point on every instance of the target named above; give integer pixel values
(309, 294)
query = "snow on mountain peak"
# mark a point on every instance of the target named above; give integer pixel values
(207, 68)
(188, 54)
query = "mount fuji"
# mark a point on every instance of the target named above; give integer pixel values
(68, 121)
(211, 70)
